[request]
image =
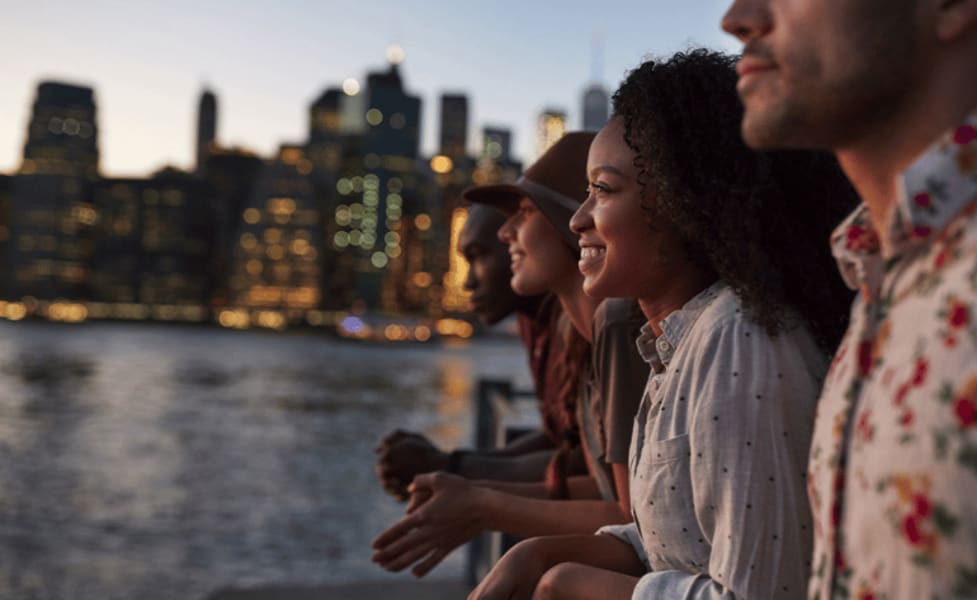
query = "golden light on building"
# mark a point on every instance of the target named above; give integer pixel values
(455, 327)
(291, 156)
(270, 319)
(441, 164)
(67, 312)
(455, 297)
(422, 333)
(237, 319)
(252, 216)
(423, 222)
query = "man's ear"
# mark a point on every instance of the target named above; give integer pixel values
(955, 18)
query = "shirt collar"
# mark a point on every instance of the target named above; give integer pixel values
(933, 190)
(658, 351)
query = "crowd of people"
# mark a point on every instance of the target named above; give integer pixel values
(748, 305)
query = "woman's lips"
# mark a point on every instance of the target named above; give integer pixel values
(591, 257)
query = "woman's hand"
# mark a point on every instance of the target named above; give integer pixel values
(443, 513)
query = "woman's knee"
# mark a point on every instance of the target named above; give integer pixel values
(557, 582)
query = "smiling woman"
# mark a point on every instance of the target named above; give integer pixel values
(704, 233)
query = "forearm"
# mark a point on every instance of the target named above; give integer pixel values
(483, 465)
(533, 441)
(582, 487)
(529, 517)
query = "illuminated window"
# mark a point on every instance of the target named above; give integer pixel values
(379, 260)
(344, 186)
(254, 267)
(374, 117)
(273, 235)
(441, 164)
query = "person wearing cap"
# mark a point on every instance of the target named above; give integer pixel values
(402, 455)
(446, 511)
(741, 308)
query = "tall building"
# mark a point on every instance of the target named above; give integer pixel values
(178, 232)
(550, 126)
(275, 270)
(62, 138)
(230, 177)
(51, 214)
(153, 248)
(595, 101)
(495, 163)
(454, 126)
(379, 190)
(117, 259)
(206, 128)
(325, 144)
(594, 106)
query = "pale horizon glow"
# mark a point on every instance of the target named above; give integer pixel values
(266, 62)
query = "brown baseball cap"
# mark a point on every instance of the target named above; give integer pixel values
(556, 183)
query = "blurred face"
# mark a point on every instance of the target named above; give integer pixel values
(822, 73)
(541, 262)
(622, 253)
(488, 261)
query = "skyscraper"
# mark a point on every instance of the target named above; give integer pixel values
(325, 135)
(379, 191)
(62, 135)
(51, 210)
(275, 269)
(595, 101)
(550, 127)
(206, 128)
(454, 126)
(594, 107)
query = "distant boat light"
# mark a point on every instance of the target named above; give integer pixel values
(352, 324)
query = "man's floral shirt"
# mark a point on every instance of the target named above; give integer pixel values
(893, 467)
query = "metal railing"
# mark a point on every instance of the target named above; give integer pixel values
(501, 414)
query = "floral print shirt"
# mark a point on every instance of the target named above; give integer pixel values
(893, 466)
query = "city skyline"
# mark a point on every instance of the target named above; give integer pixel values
(267, 63)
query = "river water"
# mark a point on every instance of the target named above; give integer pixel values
(158, 462)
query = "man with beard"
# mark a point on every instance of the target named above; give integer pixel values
(889, 87)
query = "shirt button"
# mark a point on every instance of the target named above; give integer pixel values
(663, 345)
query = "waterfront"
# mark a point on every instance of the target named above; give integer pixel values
(158, 462)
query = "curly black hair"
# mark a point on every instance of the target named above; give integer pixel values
(758, 220)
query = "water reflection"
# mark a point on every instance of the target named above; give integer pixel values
(149, 462)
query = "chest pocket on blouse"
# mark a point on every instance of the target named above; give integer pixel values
(664, 507)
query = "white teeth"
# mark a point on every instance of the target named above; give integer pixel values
(591, 252)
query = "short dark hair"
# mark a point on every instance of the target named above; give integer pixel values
(758, 220)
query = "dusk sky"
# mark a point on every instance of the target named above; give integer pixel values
(267, 61)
